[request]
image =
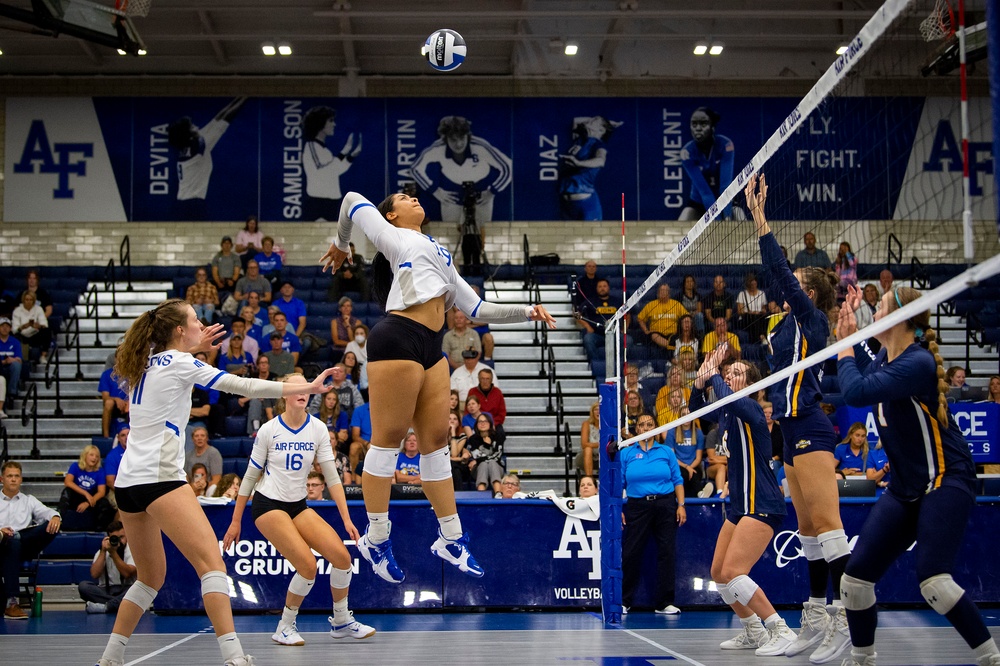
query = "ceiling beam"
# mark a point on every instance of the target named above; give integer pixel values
(209, 31)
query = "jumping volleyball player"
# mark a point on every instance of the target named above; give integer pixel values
(756, 507)
(407, 374)
(808, 294)
(933, 476)
(286, 447)
(153, 496)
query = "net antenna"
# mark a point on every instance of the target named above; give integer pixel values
(940, 24)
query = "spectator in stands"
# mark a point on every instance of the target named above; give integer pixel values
(586, 285)
(31, 327)
(466, 376)
(510, 487)
(586, 487)
(810, 255)
(201, 410)
(675, 384)
(350, 277)
(993, 392)
(658, 319)
(229, 486)
(335, 419)
(315, 486)
(253, 281)
(687, 361)
(293, 308)
(473, 408)
(592, 317)
(264, 371)
(86, 489)
(688, 444)
(249, 241)
(773, 427)
(454, 404)
(669, 404)
(3, 396)
(691, 300)
(865, 314)
(11, 361)
(852, 454)
(631, 411)
(203, 296)
(885, 281)
(632, 382)
(198, 479)
(655, 507)
(112, 571)
(878, 466)
(256, 315)
(955, 376)
(26, 527)
(114, 460)
(486, 447)
(348, 394)
(42, 297)
(490, 397)
(459, 338)
(408, 462)
(268, 328)
(718, 303)
(721, 335)
(460, 455)
(234, 359)
(685, 339)
(207, 455)
(361, 436)
(340, 459)
(718, 464)
(250, 346)
(114, 400)
(359, 347)
(226, 267)
(846, 268)
(289, 340)
(753, 308)
(588, 459)
(269, 261)
(354, 372)
(342, 326)
(484, 332)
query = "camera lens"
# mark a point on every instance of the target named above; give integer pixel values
(114, 540)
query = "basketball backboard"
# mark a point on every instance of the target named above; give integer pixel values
(91, 21)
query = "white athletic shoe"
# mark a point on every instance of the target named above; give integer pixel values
(752, 637)
(457, 552)
(106, 662)
(669, 609)
(836, 640)
(813, 628)
(988, 660)
(859, 660)
(380, 556)
(624, 610)
(245, 660)
(707, 491)
(352, 629)
(94, 608)
(287, 634)
(779, 639)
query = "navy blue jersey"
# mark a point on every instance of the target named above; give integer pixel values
(752, 485)
(709, 174)
(922, 454)
(801, 333)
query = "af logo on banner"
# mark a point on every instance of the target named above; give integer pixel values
(57, 163)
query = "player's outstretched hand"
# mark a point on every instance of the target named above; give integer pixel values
(209, 336)
(539, 313)
(319, 384)
(853, 297)
(334, 257)
(846, 323)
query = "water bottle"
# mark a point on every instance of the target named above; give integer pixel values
(36, 603)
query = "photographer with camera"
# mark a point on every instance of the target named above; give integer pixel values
(113, 571)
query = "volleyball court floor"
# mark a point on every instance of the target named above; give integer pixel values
(905, 638)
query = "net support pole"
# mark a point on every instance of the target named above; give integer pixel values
(966, 184)
(624, 296)
(993, 46)
(611, 507)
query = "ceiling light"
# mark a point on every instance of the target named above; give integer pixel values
(842, 49)
(284, 49)
(121, 52)
(701, 48)
(268, 49)
(1, 51)
(571, 48)
(142, 52)
(716, 49)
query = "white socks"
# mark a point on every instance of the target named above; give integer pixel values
(378, 527)
(230, 646)
(115, 650)
(288, 615)
(451, 527)
(771, 621)
(341, 615)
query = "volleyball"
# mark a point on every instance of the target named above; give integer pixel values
(444, 50)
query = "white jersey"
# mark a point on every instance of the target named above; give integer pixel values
(159, 413)
(194, 168)
(286, 457)
(481, 158)
(323, 171)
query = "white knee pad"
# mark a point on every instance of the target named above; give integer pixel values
(856, 594)
(340, 579)
(727, 595)
(941, 592)
(436, 466)
(811, 548)
(215, 581)
(300, 585)
(834, 545)
(381, 462)
(743, 588)
(142, 595)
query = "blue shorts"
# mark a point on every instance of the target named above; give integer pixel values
(809, 432)
(773, 520)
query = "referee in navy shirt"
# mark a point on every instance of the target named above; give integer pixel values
(655, 507)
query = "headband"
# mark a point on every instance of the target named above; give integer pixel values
(918, 332)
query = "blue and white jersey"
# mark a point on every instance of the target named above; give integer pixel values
(323, 170)
(581, 180)
(481, 163)
(286, 457)
(159, 412)
(194, 166)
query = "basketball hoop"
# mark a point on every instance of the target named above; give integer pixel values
(134, 7)
(940, 23)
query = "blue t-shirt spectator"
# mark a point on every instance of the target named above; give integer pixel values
(847, 460)
(408, 466)
(290, 343)
(293, 309)
(107, 383)
(877, 460)
(343, 423)
(89, 481)
(12, 347)
(687, 448)
(113, 461)
(267, 264)
(225, 361)
(362, 418)
(469, 421)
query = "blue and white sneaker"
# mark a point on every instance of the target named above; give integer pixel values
(457, 552)
(352, 629)
(287, 634)
(379, 555)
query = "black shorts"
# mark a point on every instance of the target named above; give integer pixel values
(398, 338)
(261, 504)
(136, 499)
(773, 520)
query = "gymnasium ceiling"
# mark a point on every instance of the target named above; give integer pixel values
(507, 39)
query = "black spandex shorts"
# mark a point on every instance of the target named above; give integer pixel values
(773, 520)
(397, 338)
(261, 504)
(136, 499)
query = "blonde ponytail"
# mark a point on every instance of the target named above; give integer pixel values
(921, 325)
(942, 386)
(150, 333)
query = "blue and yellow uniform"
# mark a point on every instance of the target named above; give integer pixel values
(709, 174)
(802, 333)
(753, 489)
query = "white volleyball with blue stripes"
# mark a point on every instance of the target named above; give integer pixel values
(444, 50)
